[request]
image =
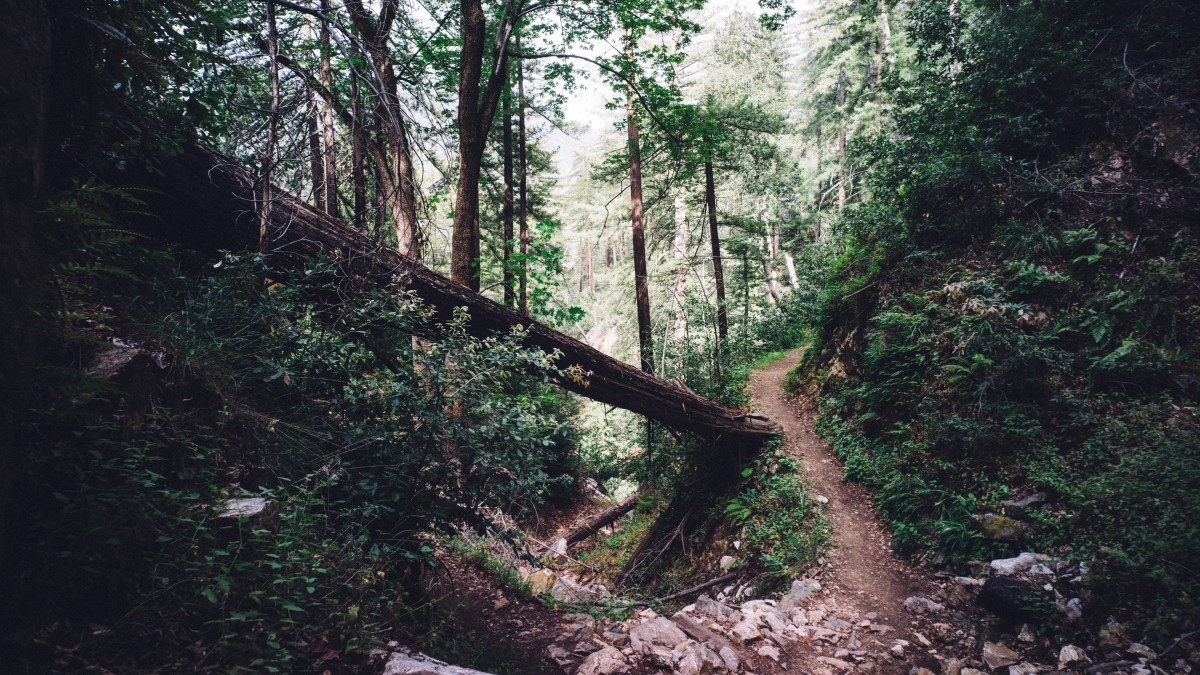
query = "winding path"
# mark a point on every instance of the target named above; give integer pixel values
(866, 575)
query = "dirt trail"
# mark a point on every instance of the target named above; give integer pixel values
(866, 575)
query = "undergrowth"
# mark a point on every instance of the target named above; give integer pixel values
(322, 404)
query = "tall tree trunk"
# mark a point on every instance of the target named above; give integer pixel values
(641, 277)
(523, 188)
(791, 270)
(591, 268)
(329, 151)
(395, 185)
(315, 165)
(886, 27)
(678, 289)
(714, 236)
(506, 149)
(769, 273)
(268, 160)
(770, 276)
(841, 193)
(476, 108)
(745, 289)
(358, 156)
(463, 264)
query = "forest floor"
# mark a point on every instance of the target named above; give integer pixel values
(868, 612)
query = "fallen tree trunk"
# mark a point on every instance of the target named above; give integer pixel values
(593, 524)
(205, 200)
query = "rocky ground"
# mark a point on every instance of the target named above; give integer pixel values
(862, 610)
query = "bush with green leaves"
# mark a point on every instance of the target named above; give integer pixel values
(302, 389)
(1015, 305)
(781, 523)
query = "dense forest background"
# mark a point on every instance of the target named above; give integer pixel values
(977, 216)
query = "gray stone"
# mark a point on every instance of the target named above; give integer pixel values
(997, 655)
(726, 562)
(706, 606)
(840, 625)
(770, 651)
(835, 663)
(953, 667)
(1014, 600)
(730, 658)
(615, 635)
(1073, 610)
(921, 605)
(1070, 654)
(260, 512)
(693, 658)
(1011, 566)
(1141, 650)
(568, 590)
(659, 655)
(1025, 669)
(774, 622)
(661, 631)
(607, 661)
(1019, 508)
(745, 630)
(399, 663)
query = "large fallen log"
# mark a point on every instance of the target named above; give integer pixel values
(205, 200)
(593, 524)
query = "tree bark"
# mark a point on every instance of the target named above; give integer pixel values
(841, 193)
(641, 277)
(506, 149)
(523, 189)
(316, 168)
(475, 114)
(464, 267)
(268, 159)
(593, 524)
(714, 236)
(678, 289)
(328, 149)
(200, 198)
(791, 270)
(358, 158)
(395, 184)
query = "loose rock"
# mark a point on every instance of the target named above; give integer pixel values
(607, 661)
(997, 655)
(1010, 566)
(1019, 508)
(1070, 654)
(661, 632)
(922, 605)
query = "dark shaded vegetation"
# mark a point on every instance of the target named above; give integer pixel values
(1015, 309)
(315, 400)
